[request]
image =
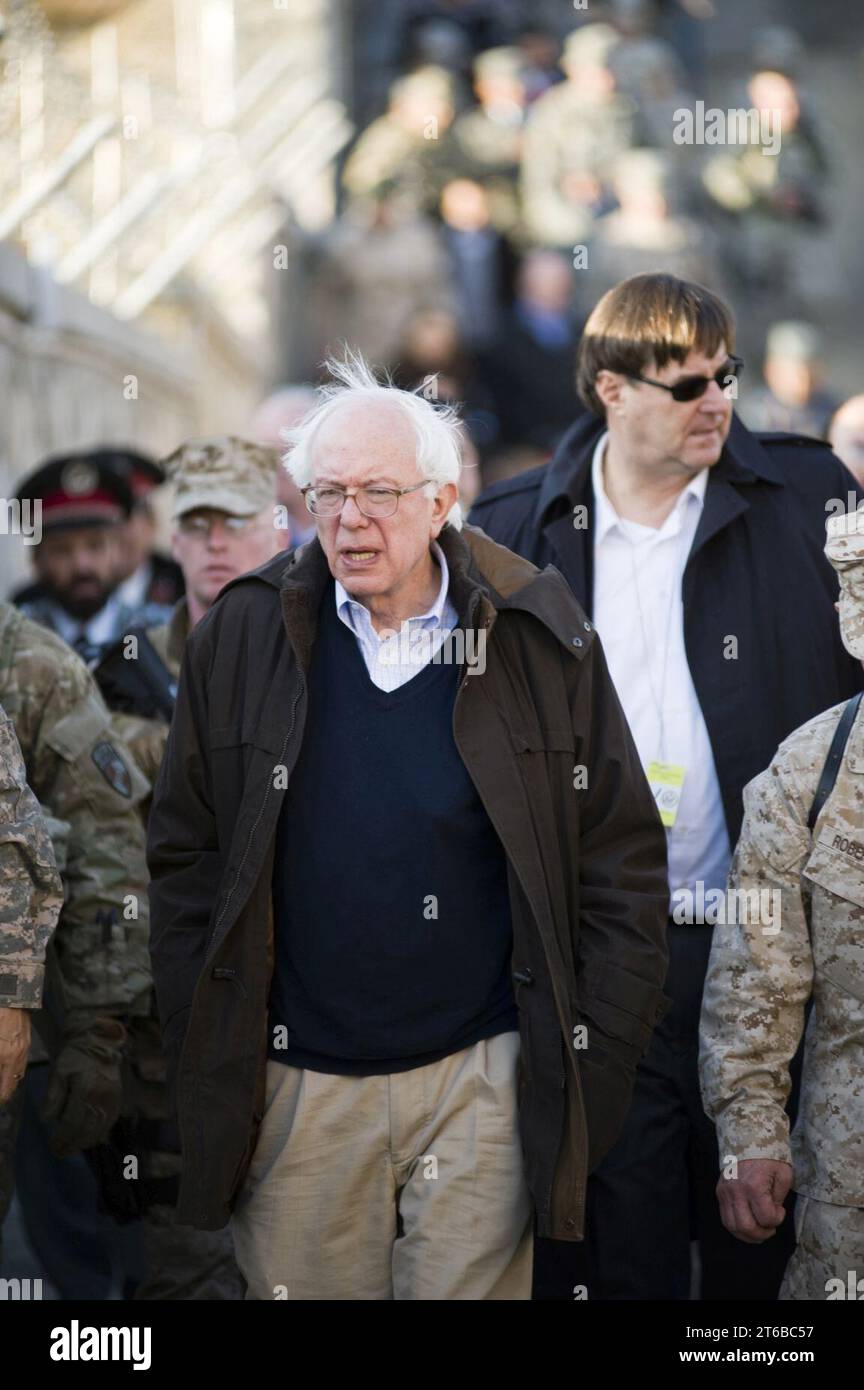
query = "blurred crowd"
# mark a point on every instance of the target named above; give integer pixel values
(515, 176)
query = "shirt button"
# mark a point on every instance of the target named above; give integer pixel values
(577, 641)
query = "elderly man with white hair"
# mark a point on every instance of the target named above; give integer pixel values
(408, 894)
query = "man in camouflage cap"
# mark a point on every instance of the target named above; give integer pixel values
(808, 851)
(226, 522)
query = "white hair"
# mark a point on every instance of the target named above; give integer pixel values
(437, 427)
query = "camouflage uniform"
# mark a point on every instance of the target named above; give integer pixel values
(31, 895)
(78, 773)
(571, 138)
(390, 156)
(759, 980)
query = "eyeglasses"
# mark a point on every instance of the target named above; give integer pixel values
(202, 526)
(371, 501)
(690, 388)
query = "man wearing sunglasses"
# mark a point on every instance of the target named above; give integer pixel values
(697, 548)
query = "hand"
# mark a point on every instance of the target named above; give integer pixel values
(85, 1090)
(751, 1205)
(14, 1046)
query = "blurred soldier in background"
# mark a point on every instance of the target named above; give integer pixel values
(644, 233)
(146, 576)
(793, 397)
(85, 778)
(411, 147)
(226, 522)
(573, 136)
(489, 137)
(31, 896)
(224, 525)
(84, 507)
(777, 201)
(802, 842)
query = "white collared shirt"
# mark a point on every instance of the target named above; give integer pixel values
(133, 591)
(639, 614)
(98, 630)
(391, 661)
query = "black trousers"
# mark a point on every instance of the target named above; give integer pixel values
(654, 1192)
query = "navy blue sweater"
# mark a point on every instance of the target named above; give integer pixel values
(392, 918)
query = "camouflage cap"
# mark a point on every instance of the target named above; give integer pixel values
(590, 46)
(800, 342)
(226, 473)
(498, 62)
(845, 549)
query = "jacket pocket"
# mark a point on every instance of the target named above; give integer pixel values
(623, 1005)
(836, 919)
(240, 735)
(544, 740)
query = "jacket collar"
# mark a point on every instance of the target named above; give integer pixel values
(485, 578)
(568, 477)
(567, 485)
(178, 631)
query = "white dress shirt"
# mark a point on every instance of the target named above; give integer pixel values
(133, 591)
(639, 614)
(391, 661)
(102, 628)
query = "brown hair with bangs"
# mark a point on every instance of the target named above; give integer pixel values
(649, 320)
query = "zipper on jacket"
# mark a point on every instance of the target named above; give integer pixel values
(288, 736)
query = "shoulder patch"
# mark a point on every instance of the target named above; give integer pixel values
(113, 768)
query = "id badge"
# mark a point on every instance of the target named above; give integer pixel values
(666, 781)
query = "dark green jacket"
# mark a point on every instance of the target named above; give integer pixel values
(586, 861)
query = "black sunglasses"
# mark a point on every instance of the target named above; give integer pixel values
(689, 388)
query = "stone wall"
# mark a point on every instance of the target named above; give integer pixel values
(72, 375)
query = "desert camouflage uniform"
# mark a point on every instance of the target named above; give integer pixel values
(760, 979)
(31, 895)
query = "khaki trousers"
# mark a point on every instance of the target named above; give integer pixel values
(409, 1186)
